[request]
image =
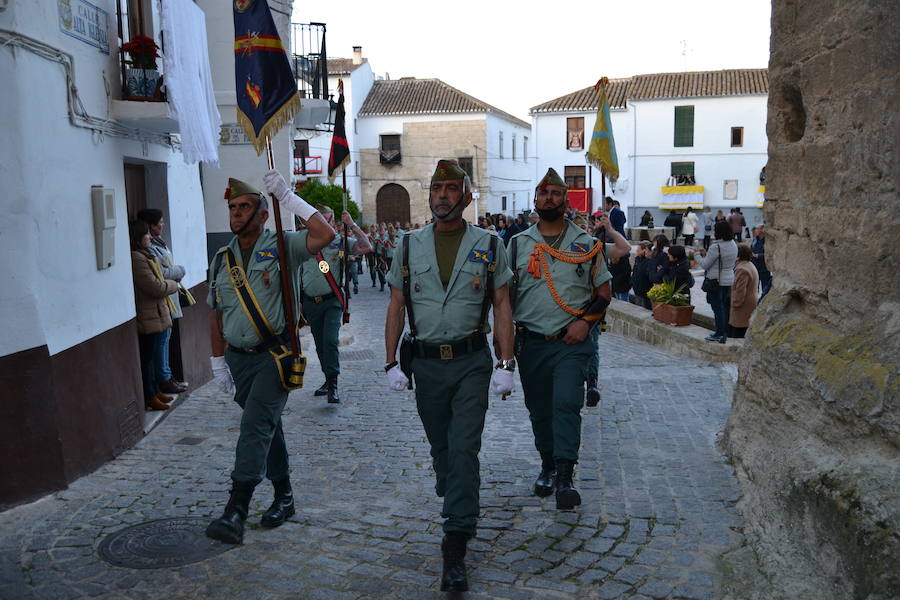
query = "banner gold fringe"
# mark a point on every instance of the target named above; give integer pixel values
(281, 118)
(339, 168)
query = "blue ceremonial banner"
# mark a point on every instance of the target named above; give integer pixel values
(267, 97)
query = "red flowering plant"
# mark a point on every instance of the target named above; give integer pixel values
(143, 51)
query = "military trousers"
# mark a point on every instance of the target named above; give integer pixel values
(261, 450)
(553, 376)
(452, 399)
(325, 323)
(594, 366)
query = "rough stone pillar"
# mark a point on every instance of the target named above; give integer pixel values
(815, 428)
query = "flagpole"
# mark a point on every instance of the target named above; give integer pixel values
(287, 291)
(346, 316)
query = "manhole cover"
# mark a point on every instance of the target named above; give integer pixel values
(160, 544)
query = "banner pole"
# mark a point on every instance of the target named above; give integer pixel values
(287, 291)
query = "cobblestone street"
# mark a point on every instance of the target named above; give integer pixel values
(658, 497)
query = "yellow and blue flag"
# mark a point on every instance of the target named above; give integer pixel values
(602, 151)
(267, 97)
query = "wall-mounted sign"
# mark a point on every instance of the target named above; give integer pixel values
(86, 22)
(233, 134)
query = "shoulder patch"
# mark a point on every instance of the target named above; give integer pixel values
(267, 254)
(580, 247)
(481, 256)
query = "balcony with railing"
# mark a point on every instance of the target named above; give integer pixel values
(307, 165)
(309, 62)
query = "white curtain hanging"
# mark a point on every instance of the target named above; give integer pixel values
(189, 81)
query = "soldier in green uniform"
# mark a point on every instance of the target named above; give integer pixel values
(450, 280)
(241, 362)
(323, 299)
(561, 292)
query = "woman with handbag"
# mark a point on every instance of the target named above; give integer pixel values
(153, 217)
(718, 266)
(153, 307)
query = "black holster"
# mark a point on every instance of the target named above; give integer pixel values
(406, 356)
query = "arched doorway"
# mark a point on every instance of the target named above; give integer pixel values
(392, 204)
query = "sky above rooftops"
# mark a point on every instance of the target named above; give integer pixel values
(515, 56)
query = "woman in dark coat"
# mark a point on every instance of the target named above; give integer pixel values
(659, 259)
(678, 269)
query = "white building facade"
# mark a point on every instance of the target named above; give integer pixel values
(407, 125)
(709, 125)
(76, 167)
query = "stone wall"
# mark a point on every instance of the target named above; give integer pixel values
(422, 145)
(815, 427)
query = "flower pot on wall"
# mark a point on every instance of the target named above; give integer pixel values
(673, 315)
(142, 84)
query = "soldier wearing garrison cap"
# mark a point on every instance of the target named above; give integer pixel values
(244, 283)
(322, 294)
(446, 276)
(559, 292)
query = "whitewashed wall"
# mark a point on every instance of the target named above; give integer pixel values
(506, 176)
(715, 160)
(550, 134)
(53, 293)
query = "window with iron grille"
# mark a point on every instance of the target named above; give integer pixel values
(684, 126)
(737, 137)
(465, 163)
(683, 168)
(574, 177)
(301, 148)
(390, 149)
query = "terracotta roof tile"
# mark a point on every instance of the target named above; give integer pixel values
(342, 66)
(410, 96)
(731, 82)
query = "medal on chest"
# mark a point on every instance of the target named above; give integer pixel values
(323, 266)
(579, 271)
(476, 283)
(418, 287)
(265, 279)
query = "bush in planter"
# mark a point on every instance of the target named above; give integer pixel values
(670, 304)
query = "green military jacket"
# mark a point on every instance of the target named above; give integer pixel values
(448, 315)
(264, 277)
(390, 247)
(535, 307)
(312, 280)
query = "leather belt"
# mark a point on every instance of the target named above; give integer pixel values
(264, 347)
(540, 336)
(318, 299)
(452, 350)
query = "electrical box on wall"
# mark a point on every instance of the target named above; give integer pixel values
(103, 202)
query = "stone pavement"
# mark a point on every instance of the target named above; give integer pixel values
(658, 497)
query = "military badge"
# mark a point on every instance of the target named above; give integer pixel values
(580, 248)
(476, 283)
(324, 267)
(481, 256)
(265, 279)
(267, 254)
(418, 287)
(237, 276)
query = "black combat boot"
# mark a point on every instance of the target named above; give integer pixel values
(593, 392)
(332, 389)
(323, 389)
(453, 548)
(546, 481)
(282, 505)
(229, 528)
(567, 497)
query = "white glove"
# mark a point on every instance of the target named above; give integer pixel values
(502, 382)
(221, 374)
(278, 187)
(397, 379)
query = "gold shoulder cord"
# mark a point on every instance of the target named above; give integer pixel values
(538, 265)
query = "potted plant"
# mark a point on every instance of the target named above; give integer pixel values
(142, 78)
(670, 304)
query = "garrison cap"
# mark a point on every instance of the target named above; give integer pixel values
(551, 178)
(236, 188)
(448, 169)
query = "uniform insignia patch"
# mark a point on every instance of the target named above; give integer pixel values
(418, 287)
(581, 248)
(267, 254)
(481, 256)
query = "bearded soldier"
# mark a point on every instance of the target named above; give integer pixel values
(560, 293)
(244, 293)
(446, 276)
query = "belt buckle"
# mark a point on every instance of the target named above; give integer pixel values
(318, 299)
(446, 352)
(551, 338)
